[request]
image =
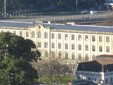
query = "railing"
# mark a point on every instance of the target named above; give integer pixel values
(40, 17)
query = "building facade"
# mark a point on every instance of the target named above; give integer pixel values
(99, 71)
(68, 43)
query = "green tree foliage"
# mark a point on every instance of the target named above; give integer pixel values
(45, 5)
(15, 55)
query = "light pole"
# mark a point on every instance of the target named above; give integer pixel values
(5, 13)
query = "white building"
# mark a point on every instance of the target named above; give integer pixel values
(64, 42)
(99, 71)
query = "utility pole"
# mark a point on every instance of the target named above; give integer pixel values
(77, 6)
(5, 13)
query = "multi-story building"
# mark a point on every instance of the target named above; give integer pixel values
(65, 42)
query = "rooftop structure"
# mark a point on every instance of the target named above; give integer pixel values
(96, 66)
(98, 71)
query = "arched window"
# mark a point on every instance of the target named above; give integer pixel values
(86, 57)
(73, 56)
(33, 34)
(46, 53)
(45, 35)
(79, 57)
(53, 55)
(66, 55)
(27, 34)
(59, 55)
(39, 34)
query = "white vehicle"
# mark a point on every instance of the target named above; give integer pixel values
(93, 12)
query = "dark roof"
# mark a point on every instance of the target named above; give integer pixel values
(81, 27)
(82, 82)
(58, 26)
(16, 24)
(96, 66)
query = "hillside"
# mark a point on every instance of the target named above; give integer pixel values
(50, 5)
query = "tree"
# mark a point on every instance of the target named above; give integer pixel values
(53, 70)
(15, 55)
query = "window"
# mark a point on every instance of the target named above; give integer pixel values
(80, 57)
(8, 31)
(107, 49)
(45, 44)
(106, 81)
(46, 53)
(53, 45)
(66, 46)
(111, 80)
(52, 35)
(66, 55)
(100, 48)
(20, 33)
(45, 35)
(2, 30)
(59, 45)
(93, 48)
(72, 37)
(86, 37)
(93, 57)
(33, 34)
(73, 46)
(53, 55)
(89, 78)
(79, 37)
(93, 38)
(100, 38)
(59, 36)
(107, 39)
(73, 56)
(79, 47)
(39, 34)
(86, 57)
(59, 55)
(14, 32)
(86, 47)
(66, 36)
(27, 34)
(39, 44)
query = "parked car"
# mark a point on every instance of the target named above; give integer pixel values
(84, 12)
